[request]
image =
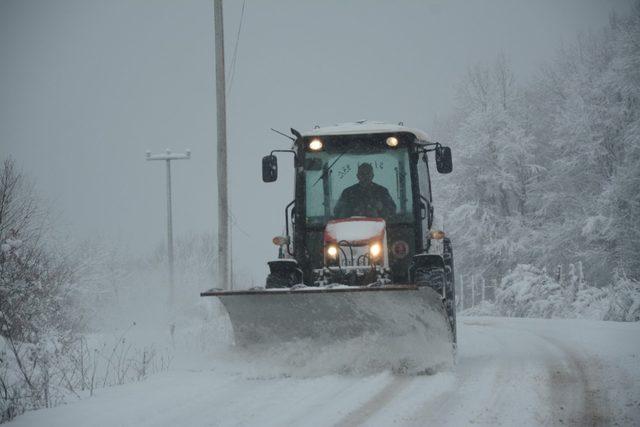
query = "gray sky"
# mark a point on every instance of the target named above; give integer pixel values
(87, 86)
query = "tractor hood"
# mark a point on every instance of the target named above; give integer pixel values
(357, 231)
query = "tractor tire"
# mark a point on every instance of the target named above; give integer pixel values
(283, 274)
(437, 278)
(279, 281)
(447, 255)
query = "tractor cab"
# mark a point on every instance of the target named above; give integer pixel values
(363, 206)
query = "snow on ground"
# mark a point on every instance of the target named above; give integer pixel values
(509, 371)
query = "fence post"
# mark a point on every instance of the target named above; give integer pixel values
(473, 291)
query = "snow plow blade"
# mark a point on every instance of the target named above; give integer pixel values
(387, 314)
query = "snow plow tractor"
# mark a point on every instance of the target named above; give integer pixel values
(359, 257)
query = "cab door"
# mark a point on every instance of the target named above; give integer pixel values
(426, 208)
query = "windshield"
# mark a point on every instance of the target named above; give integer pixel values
(358, 179)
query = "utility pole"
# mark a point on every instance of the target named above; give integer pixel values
(167, 156)
(221, 109)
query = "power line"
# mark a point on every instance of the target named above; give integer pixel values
(234, 223)
(235, 49)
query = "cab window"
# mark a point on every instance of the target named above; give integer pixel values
(333, 173)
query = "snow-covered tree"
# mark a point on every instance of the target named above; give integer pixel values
(548, 173)
(493, 173)
(34, 278)
(587, 102)
(35, 296)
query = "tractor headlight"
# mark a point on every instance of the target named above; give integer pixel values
(375, 249)
(332, 251)
(392, 141)
(315, 145)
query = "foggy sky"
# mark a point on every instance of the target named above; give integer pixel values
(87, 86)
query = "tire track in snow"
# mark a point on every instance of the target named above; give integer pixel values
(566, 383)
(571, 396)
(375, 403)
(475, 377)
(511, 380)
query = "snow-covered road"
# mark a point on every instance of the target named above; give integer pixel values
(509, 372)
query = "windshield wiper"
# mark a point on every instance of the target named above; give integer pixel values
(326, 173)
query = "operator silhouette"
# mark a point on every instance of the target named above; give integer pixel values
(366, 198)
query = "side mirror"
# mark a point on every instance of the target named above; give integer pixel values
(444, 164)
(269, 168)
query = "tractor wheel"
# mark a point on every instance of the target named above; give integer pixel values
(283, 274)
(280, 281)
(437, 278)
(447, 255)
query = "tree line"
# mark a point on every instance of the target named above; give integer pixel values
(547, 173)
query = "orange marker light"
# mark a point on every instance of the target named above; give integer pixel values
(437, 234)
(280, 240)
